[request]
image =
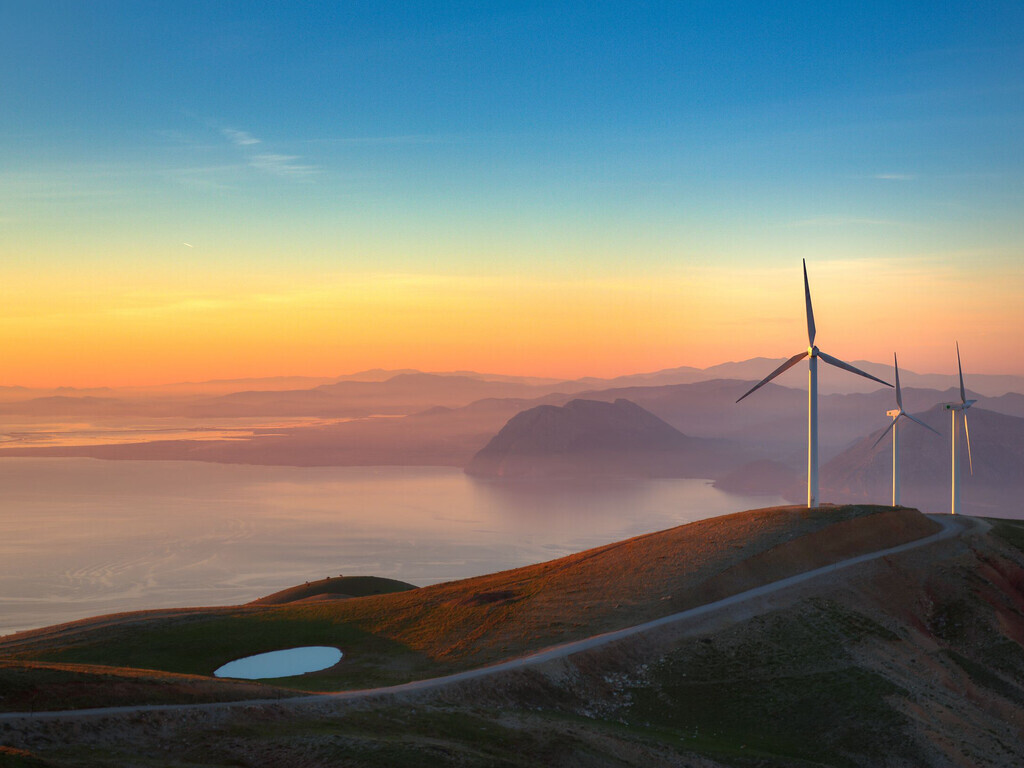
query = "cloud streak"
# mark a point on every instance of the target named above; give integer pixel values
(240, 138)
(282, 166)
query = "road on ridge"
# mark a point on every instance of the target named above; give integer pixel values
(951, 526)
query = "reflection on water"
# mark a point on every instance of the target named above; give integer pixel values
(81, 537)
(43, 432)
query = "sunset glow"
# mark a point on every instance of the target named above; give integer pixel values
(542, 191)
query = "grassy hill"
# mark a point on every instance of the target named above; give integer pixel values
(340, 588)
(420, 633)
(907, 661)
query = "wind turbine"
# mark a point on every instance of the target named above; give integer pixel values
(954, 409)
(813, 353)
(896, 416)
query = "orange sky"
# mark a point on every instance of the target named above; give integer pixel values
(105, 332)
(217, 190)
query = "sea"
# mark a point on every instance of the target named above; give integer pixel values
(85, 537)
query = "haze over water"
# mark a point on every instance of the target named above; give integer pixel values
(83, 537)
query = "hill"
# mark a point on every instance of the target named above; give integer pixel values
(340, 588)
(404, 635)
(589, 437)
(911, 660)
(864, 471)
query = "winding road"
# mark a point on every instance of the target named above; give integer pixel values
(951, 526)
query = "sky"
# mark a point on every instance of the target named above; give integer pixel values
(197, 190)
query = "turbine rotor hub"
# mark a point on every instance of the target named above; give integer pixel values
(812, 351)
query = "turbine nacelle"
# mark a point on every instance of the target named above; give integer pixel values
(896, 414)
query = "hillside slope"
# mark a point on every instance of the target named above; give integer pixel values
(419, 633)
(909, 661)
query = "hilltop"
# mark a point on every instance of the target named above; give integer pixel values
(591, 437)
(908, 660)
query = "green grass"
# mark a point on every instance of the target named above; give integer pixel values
(787, 690)
(984, 676)
(350, 586)
(201, 646)
(38, 687)
(1010, 531)
(19, 758)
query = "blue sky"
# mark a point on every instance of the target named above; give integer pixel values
(606, 140)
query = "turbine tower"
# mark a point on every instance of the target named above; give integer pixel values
(896, 416)
(813, 353)
(954, 409)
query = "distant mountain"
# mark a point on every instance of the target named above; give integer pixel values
(775, 418)
(63, 406)
(1011, 403)
(402, 394)
(588, 437)
(406, 390)
(834, 381)
(864, 471)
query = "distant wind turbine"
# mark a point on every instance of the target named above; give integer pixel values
(954, 409)
(813, 353)
(896, 416)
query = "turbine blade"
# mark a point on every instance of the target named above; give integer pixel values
(913, 418)
(781, 369)
(960, 368)
(967, 431)
(887, 431)
(899, 394)
(810, 311)
(847, 367)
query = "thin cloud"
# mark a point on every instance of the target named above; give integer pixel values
(894, 176)
(282, 165)
(240, 138)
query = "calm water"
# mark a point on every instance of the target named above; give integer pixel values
(291, 661)
(81, 537)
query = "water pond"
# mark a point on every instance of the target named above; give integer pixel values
(285, 663)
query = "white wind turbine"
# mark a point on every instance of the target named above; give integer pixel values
(813, 353)
(954, 409)
(896, 415)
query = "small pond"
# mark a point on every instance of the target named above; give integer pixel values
(286, 663)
